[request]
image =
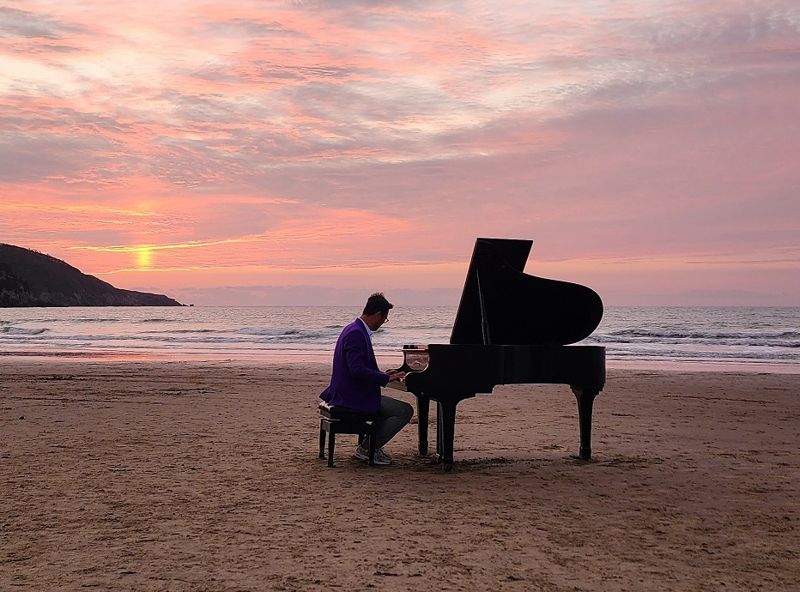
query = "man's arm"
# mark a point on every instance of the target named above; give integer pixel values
(356, 355)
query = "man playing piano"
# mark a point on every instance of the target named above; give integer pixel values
(356, 380)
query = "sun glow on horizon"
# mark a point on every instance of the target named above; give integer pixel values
(144, 258)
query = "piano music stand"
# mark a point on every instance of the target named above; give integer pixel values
(335, 420)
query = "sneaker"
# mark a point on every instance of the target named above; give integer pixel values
(381, 458)
(361, 453)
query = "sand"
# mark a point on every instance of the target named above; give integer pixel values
(179, 476)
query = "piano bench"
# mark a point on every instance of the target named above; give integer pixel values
(333, 420)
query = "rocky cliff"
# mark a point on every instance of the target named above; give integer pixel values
(28, 278)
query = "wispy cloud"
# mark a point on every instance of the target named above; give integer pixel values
(16, 23)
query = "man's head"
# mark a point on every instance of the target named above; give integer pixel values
(376, 311)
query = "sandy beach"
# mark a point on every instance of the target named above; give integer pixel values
(180, 476)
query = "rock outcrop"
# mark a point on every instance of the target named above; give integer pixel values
(29, 278)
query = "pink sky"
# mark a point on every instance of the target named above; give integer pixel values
(290, 152)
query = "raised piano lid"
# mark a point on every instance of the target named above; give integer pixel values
(502, 305)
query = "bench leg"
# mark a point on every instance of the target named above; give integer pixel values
(331, 444)
(321, 441)
(371, 449)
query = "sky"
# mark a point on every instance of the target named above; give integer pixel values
(312, 152)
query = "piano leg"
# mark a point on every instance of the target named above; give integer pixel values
(446, 432)
(423, 408)
(585, 398)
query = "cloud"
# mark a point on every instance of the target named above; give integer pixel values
(26, 158)
(727, 29)
(241, 27)
(22, 23)
(331, 136)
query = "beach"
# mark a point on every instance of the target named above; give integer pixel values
(122, 475)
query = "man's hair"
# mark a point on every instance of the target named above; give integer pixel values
(377, 303)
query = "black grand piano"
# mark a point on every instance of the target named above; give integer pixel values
(510, 328)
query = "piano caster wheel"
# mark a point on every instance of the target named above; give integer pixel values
(448, 466)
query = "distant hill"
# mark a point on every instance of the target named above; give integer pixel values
(28, 278)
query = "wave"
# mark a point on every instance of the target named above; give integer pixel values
(428, 327)
(182, 331)
(281, 332)
(20, 331)
(196, 337)
(89, 320)
(672, 354)
(261, 331)
(62, 320)
(675, 334)
(713, 342)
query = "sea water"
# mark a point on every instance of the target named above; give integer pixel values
(732, 338)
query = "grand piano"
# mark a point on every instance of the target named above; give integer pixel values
(510, 328)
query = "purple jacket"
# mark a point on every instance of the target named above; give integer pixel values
(355, 381)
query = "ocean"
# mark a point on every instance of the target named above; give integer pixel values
(704, 338)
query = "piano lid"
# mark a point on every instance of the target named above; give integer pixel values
(503, 305)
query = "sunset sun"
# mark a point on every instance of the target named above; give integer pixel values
(144, 258)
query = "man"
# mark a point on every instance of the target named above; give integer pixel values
(356, 381)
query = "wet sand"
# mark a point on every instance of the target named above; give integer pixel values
(181, 476)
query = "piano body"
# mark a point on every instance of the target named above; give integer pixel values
(510, 328)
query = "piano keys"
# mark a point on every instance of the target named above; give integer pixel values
(510, 328)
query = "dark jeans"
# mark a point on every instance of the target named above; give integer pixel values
(394, 415)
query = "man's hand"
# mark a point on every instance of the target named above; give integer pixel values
(396, 375)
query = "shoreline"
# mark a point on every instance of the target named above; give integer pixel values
(389, 360)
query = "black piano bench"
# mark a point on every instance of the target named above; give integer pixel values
(335, 420)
